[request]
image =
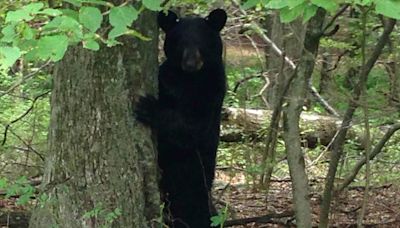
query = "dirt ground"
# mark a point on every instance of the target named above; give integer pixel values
(242, 201)
(383, 208)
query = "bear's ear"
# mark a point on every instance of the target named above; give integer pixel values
(217, 19)
(167, 21)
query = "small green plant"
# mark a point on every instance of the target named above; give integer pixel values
(220, 219)
(159, 221)
(99, 212)
(21, 188)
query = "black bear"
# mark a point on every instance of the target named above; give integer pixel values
(186, 116)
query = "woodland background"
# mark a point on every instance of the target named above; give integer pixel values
(309, 134)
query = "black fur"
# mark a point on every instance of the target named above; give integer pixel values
(187, 114)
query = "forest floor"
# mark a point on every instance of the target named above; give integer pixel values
(243, 201)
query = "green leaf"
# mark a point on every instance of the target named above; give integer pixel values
(123, 16)
(294, 3)
(91, 44)
(362, 2)
(309, 12)
(288, 15)
(54, 23)
(216, 220)
(53, 47)
(112, 42)
(71, 13)
(277, 4)
(51, 12)
(91, 18)
(17, 16)
(68, 25)
(154, 5)
(250, 4)
(28, 33)
(98, 2)
(116, 32)
(9, 55)
(27, 46)
(33, 8)
(329, 5)
(3, 183)
(8, 33)
(30, 47)
(388, 8)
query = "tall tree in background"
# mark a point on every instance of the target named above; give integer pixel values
(101, 166)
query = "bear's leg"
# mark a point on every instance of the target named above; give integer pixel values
(190, 210)
(187, 196)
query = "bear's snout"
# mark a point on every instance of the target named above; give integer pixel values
(191, 60)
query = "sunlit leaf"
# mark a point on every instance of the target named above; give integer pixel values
(288, 15)
(8, 33)
(388, 8)
(91, 44)
(19, 15)
(52, 47)
(8, 56)
(277, 4)
(154, 5)
(329, 5)
(116, 32)
(309, 12)
(33, 8)
(250, 3)
(123, 16)
(91, 18)
(51, 12)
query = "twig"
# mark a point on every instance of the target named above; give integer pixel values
(24, 78)
(340, 56)
(377, 149)
(241, 81)
(337, 146)
(255, 27)
(22, 116)
(27, 145)
(340, 12)
(260, 219)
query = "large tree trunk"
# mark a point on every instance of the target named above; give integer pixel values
(100, 160)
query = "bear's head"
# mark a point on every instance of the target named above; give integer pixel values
(192, 43)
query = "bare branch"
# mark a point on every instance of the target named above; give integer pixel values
(377, 149)
(22, 116)
(260, 220)
(340, 12)
(24, 78)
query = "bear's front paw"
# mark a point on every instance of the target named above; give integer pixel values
(145, 110)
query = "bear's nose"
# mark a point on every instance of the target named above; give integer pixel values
(191, 60)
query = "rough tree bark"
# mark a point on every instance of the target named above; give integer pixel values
(291, 118)
(100, 160)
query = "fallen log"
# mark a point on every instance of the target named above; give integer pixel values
(238, 122)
